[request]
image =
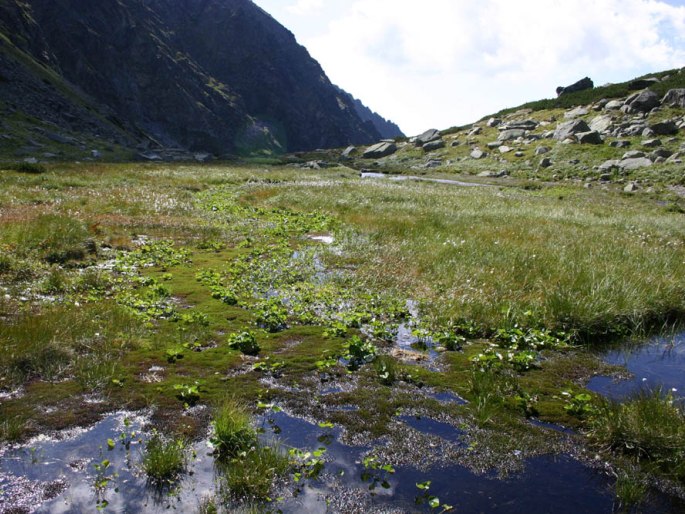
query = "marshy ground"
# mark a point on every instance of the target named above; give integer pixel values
(308, 339)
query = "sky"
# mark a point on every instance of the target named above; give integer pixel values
(440, 63)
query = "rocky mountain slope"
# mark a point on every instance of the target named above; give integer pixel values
(216, 76)
(630, 134)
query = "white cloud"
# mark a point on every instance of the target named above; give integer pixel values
(305, 7)
(446, 62)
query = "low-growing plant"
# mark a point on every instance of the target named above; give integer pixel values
(272, 315)
(359, 352)
(631, 488)
(32, 168)
(163, 459)
(232, 430)
(386, 370)
(250, 477)
(579, 405)
(245, 341)
(189, 394)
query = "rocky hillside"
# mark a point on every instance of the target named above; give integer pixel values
(215, 76)
(630, 134)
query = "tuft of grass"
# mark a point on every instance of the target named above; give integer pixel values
(648, 428)
(386, 370)
(12, 429)
(27, 167)
(630, 488)
(163, 459)
(251, 477)
(233, 432)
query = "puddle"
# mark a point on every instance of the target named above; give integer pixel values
(550, 426)
(58, 476)
(402, 178)
(429, 426)
(658, 363)
(325, 239)
(448, 397)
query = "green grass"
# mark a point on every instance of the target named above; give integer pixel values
(648, 428)
(163, 460)
(233, 431)
(251, 477)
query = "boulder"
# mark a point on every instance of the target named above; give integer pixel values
(581, 85)
(620, 144)
(601, 123)
(545, 162)
(504, 149)
(575, 113)
(541, 150)
(95, 154)
(651, 143)
(613, 105)
(434, 145)
(633, 154)
(380, 150)
(475, 131)
(202, 156)
(493, 174)
(426, 137)
(634, 164)
(494, 122)
(478, 154)
(511, 134)
(664, 128)
(644, 101)
(631, 187)
(674, 98)
(591, 137)
(349, 152)
(609, 165)
(455, 143)
(433, 163)
(660, 153)
(520, 124)
(569, 128)
(642, 83)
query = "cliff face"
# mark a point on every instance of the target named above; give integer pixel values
(216, 75)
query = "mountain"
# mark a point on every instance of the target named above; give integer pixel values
(386, 128)
(220, 76)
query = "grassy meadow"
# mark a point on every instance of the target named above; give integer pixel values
(175, 286)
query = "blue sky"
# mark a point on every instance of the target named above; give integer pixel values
(439, 63)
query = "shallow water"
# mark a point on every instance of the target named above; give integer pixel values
(659, 363)
(65, 466)
(401, 178)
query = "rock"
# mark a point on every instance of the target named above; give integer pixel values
(581, 85)
(478, 154)
(613, 105)
(644, 101)
(590, 138)
(575, 113)
(633, 154)
(349, 152)
(149, 156)
(569, 128)
(493, 174)
(433, 163)
(620, 144)
(676, 158)
(541, 150)
(545, 162)
(60, 138)
(674, 98)
(660, 153)
(609, 165)
(601, 123)
(519, 154)
(202, 156)
(631, 187)
(520, 125)
(434, 145)
(95, 154)
(379, 150)
(664, 128)
(600, 105)
(455, 143)
(426, 137)
(511, 134)
(634, 164)
(475, 131)
(648, 132)
(642, 83)
(605, 177)
(31, 160)
(504, 149)
(651, 143)
(635, 130)
(494, 122)
(494, 145)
